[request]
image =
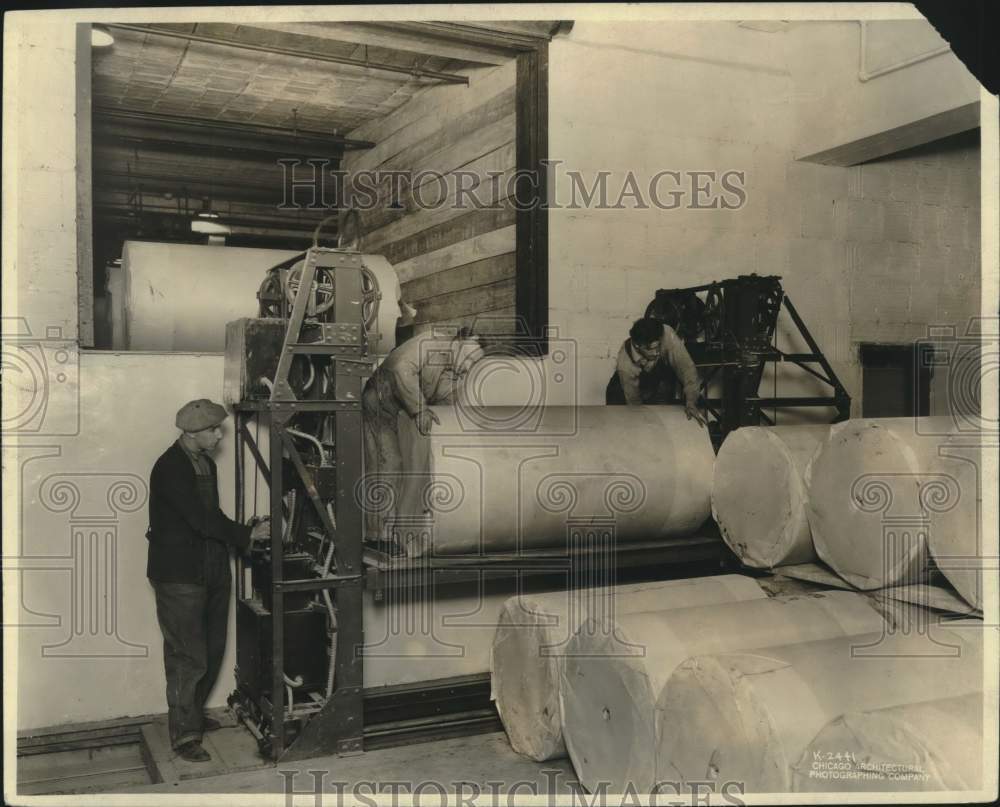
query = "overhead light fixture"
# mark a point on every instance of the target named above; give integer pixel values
(101, 37)
(208, 222)
(209, 225)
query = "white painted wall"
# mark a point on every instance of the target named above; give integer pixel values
(837, 107)
(89, 646)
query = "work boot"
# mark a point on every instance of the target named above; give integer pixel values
(210, 724)
(193, 752)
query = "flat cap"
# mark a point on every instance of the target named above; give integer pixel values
(201, 414)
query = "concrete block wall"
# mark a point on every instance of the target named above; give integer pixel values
(918, 238)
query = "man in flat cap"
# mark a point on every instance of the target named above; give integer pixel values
(188, 567)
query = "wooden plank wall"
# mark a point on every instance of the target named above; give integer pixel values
(453, 263)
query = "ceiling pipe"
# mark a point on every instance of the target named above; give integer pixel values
(449, 78)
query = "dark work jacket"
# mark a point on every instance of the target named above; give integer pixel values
(180, 525)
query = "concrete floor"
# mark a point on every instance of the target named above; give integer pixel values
(467, 765)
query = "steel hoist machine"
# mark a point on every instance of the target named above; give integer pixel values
(294, 378)
(729, 330)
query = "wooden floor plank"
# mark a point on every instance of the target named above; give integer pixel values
(232, 748)
(480, 759)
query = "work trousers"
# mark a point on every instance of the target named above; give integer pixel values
(383, 460)
(658, 386)
(193, 620)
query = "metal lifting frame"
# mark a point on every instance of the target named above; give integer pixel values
(337, 727)
(730, 336)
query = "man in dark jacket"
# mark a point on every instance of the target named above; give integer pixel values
(188, 567)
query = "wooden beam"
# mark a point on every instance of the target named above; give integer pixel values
(421, 220)
(414, 72)
(469, 276)
(230, 128)
(900, 138)
(383, 36)
(487, 245)
(172, 132)
(84, 189)
(499, 36)
(486, 150)
(431, 134)
(532, 284)
(468, 302)
(190, 187)
(446, 104)
(461, 228)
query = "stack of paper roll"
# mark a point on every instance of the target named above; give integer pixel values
(532, 635)
(750, 717)
(931, 745)
(759, 493)
(615, 673)
(869, 489)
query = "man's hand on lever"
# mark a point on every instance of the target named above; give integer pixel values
(261, 532)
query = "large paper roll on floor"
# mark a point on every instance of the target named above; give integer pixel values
(493, 479)
(936, 745)
(865, 498)
(759, 493)
(954, 502)
(613, 681)
(179, 297)
(748, 717)
(533, 632)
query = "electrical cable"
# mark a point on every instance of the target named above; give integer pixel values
(310, 438)
(332, 667)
